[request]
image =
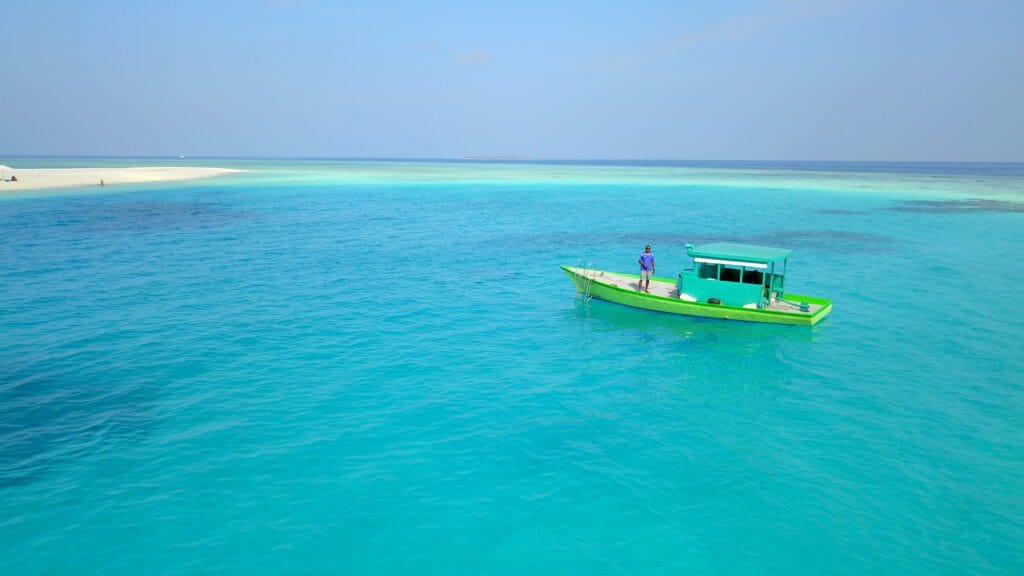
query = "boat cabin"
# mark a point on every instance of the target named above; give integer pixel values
(734, 275)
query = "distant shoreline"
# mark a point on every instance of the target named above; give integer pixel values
(51, 178)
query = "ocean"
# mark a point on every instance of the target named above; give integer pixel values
(377, 367)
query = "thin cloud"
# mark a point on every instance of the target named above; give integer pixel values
(730, 29)
(775, 14)
(428, 46)
(779, 13)
(477, 57)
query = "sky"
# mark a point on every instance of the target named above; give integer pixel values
(890, 80)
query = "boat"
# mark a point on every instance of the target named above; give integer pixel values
(728, 281)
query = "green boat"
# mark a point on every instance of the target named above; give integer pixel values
(727, 281)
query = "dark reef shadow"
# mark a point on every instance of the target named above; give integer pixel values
(957, 206)
(48, 418)
(838, 211)
(827, 240)
(134, 216)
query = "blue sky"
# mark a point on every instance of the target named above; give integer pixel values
(753, 80)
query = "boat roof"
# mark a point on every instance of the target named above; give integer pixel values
(744, 252)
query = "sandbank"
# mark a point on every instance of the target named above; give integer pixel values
(45, 178)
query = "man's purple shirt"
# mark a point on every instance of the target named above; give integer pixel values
(646, 261)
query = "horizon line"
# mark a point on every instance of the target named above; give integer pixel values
(501, 158)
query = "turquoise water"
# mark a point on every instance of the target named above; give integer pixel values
(355, 367)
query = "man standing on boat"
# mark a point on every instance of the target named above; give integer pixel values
(646, 269)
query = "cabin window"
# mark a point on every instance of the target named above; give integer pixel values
(707, 271)
(729, 274)
(753, 277)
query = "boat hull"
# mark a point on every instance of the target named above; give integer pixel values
(612, 293)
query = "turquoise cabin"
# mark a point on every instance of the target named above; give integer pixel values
(734, 275)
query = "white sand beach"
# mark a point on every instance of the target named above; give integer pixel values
(45, 178)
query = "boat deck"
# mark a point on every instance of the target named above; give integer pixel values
(666, 289)
(669, 290)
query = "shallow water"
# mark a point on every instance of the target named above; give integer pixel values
(324, 367)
